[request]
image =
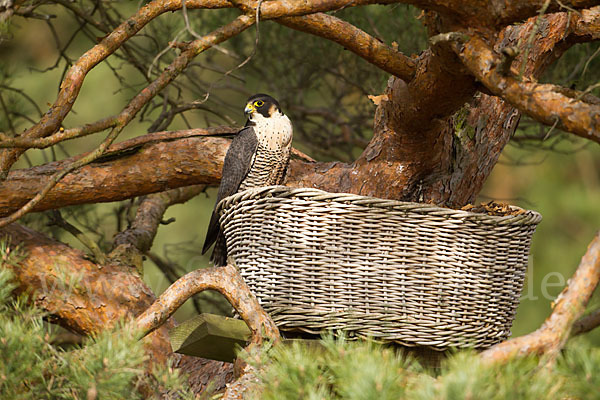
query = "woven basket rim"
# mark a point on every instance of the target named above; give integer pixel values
(529, 217)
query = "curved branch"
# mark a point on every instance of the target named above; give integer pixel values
(227, 281)
(56, 219)
(488, 14)
(27, 142)
(544, 102)
(355, 40)
(569, 306)
(149, 216)
(58, 175)
(147, 164)
(284, 8)
(169, 74)
(71, 84)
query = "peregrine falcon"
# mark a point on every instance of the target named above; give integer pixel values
(258, 156)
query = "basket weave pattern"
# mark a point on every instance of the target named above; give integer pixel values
(411, 273)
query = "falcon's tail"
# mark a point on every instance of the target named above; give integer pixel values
(219, 254)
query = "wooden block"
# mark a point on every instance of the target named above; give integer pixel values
(217, 338)
(210, 336)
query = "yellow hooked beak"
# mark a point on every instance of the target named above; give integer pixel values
(249, 108)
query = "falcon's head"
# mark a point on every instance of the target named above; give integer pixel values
(263, 105)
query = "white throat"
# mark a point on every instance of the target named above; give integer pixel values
(274, 132)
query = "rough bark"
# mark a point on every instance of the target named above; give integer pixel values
(544, 102)
(146, 164)
(586, 25)
(490, 16)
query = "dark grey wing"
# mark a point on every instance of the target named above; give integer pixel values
(235, 168)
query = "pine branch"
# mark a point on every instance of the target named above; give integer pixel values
(133, 242)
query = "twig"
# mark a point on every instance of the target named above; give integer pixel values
(22, 93)
(583, 94)
(167, 76)
(547, 135)
(60, 136)
(457, 37)
(170, 46)
(586, 323)
(7, 116)
(188, 27)
(57, 219)
(140, 235)
(196, 47)
(240, 65)
(589, 60)
(131, 244)
(302, 156)
(566, 7)
(508, 56)
(73, 81)
(162, 161)
(536, 26)
(166, 116)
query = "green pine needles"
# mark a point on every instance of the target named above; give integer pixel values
(109, 366)
(361, 370)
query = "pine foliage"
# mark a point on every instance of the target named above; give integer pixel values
(363, 370)
(108, 366)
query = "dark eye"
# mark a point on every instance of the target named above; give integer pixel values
(259, 103)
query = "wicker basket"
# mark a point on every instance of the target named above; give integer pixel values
(411, 273)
